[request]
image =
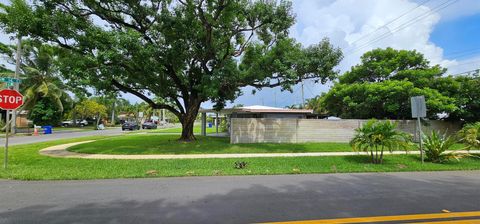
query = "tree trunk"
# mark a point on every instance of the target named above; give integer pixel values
(113, 114)
(381, 156)
(98, 121)
(188, 120)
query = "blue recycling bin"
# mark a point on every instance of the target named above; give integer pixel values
(47, 129)
(210, 124)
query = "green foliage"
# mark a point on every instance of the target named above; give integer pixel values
(383, 64)
(376, 136)
(464, 89)
(45, 112)
(90, 109)
(470, 135)
(183, 52)
(436, 145)
(388, 99)
(18, 17)
(382, 84)
(316, 104)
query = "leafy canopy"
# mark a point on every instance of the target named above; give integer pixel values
(382, 84)
(185, 52)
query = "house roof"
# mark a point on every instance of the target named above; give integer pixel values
(257, 109)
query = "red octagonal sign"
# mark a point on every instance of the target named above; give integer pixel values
(10, 99)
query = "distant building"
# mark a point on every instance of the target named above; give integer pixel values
(255, 111)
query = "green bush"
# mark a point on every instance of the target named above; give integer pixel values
(470, 136)
(45, 112)
(436, 145)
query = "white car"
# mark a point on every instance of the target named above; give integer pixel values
(81, 123)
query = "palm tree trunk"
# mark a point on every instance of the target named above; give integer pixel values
(381, 155)
(373, 158)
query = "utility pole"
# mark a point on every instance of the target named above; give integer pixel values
(16, 87)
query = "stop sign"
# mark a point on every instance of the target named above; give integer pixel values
(10, 99)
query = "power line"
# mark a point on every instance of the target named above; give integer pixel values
(404, 25)
(391, 21)
(471, 72)
(466, 63)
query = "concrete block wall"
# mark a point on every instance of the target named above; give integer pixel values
(286, 130)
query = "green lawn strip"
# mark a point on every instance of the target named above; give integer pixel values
(196, 129)
(168, 144)
(27, 164)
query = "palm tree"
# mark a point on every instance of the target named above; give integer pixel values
(40, 76)
(470, 136)
(376, 136)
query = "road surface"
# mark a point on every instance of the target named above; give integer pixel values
(238, 199)
(17, 140)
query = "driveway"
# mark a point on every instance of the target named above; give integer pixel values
(17, 140)
(238, 199)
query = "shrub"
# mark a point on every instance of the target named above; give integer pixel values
(436, 145)
(376, 136)
(470, 136)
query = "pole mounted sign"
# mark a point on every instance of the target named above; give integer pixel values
(419, 110)
(10, 99)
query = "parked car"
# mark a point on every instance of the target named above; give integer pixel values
(79, 122)
(130, 126)
(149, 125)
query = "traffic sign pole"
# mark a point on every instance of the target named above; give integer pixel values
(10, 100)
(5, 159)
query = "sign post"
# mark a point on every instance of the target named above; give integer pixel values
(9, 100)
(419, 110)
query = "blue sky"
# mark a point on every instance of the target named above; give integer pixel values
(446, 31)
(449, 35)
(459, 38)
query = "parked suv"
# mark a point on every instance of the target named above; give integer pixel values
(130, 126)
(79, 122)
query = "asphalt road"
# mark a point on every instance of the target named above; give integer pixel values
(17, 140)
(237, 199)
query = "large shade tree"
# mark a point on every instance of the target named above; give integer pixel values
(382, 84)
(185, 51)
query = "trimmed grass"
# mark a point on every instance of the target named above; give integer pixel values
(168, 144)
(196, 129)
(27, 164)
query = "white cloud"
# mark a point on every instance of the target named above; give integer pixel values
(359, 26)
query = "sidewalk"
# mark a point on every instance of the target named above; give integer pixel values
(60, 151)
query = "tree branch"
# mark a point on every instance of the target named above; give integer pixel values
(146, 99)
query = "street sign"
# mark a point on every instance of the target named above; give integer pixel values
(10, 80)
(10, 99)
(419, 109)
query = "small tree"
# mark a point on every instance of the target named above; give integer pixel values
(376, 136)
(90, 108)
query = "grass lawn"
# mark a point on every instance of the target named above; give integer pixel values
(196, 129)
(27, 164)
(168, 144)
